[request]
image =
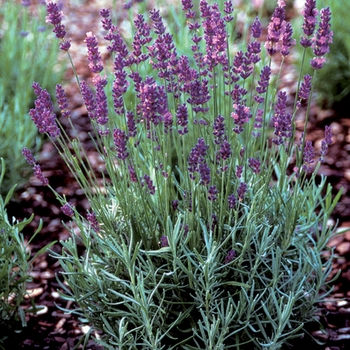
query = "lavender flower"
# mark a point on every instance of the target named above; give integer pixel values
(241, 191)
(212, 193)
(228, 9)
(308, 156)
(149, 183)
(182, 118)
(322, 40)
(225, 151)
(67, 209)
(241, 116)
(94, 56)
(204, 172)
(230, 256)
(287, 41)
(120, 139)
(275, 29)
(256, 28)
(196, 157)
(39, 175)
(239, 171)
(254, 164)
(309, 25)
(101, 100)
(219, 129)
(326, 142)
(62, 101)
(106, 20)
(55, 18)
(42, 115)
(263, 83)
(28, 156)
(132, 132)
(282, 120)
(164, 241)
(231, 199)
(89, 99)
(305, 87)
(95, 225)
(132, 173)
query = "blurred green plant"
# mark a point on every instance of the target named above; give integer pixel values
(27, 53)
(15, 267)
(202, 233)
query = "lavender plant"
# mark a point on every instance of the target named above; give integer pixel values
(207, 227)
(26, 53)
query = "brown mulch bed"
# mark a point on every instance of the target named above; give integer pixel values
(51, 328)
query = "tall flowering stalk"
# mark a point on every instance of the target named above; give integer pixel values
(201, 236)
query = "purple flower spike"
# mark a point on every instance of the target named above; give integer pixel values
(230, 256)
(309, 25)
(254, 164)
(39, 175)
(275, 29)
(228, 9)
(62, 101)
(308, 156)
(164, 241)
(287, 41)
(256, 28)
(212, 193)
(317, 62)
(204, 172)
(120, 140)
(55, 18)
(282, 120)
(101, 101)
(132, 173)
(231, 199)
(182, 118)
(67, 209)
(94, 56)
(305, 87)
(326, 142)
(42, 115)
(324, 36)
(264, 80)
(242, 189)
(106, 20)
(95, 225)
(225, 151)
(89, 99)
(28, 156)
(149, 183)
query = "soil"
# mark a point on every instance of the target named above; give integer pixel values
(52, 329)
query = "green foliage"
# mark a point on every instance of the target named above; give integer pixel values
(27, 53)
(15, 267)
(172, 267)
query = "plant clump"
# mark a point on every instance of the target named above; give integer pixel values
(207, 226)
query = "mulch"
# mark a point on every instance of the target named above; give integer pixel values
(51, 328)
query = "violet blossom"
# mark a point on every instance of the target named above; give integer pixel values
(323, 38)
(94, 56)
(42, 115)
(55, 18)
(95, 225)
(309, 24)
(308, 156)
(67, 209)
(120, 140)
(62, 101)
(282, 120)
(326, 142)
